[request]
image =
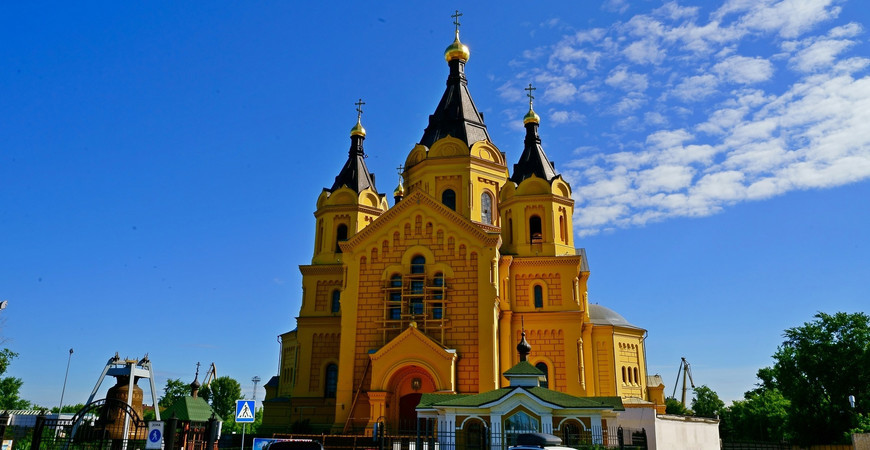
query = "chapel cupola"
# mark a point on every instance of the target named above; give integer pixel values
(533, 161)
(355, 174)
(456, 114)
(351, 203)
(536, 205)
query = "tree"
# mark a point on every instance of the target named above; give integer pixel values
(69, 408)
(761, 416)
(174, 390)
(222, 395)
(674, 406)
(707, 403)
(816, 368)
(10, 386)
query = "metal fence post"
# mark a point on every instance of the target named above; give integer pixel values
(37, 432)
(4, 422)
(211, 432)
(620, 437)
(171, 427)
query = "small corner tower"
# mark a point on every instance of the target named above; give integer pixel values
(350, 204)
(536, 205)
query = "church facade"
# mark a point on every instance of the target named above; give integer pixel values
(432, 294)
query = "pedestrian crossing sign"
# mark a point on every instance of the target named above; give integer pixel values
(244, 411)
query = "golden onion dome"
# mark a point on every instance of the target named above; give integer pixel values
(400, 191)
(531, 117)
(457, 50)
(358, 130)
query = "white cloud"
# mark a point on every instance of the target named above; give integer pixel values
(819, 55)
(561, 117)
(788, 18)
(695, 88)
(668, 138)
(619, 6)
(560, 91)
(621, 78)
(644, 51)
(695, 122)
(744, 70)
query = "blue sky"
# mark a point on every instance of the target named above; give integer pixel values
(160, 164)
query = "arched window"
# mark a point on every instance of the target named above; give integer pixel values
(562, 228)
(624, 380)
(331, 381)
(448, 198)
(542, 366)
(536, 236)
(520, 422)
(636, 379)
(438, 308)
(539, 296)
(486, 208)
(340, 236)
(336, 301)
(418, 264)
(395, 306)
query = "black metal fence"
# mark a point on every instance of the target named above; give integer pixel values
(477, 439)
(106, 424)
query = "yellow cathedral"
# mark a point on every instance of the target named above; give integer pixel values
(433, 293)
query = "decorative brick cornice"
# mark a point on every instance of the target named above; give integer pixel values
(322, 269)
(420, 198)
(550, 261)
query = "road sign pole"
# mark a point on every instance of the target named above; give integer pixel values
(244, 426)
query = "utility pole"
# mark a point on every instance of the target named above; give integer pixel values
(256, 380)
(63, 391)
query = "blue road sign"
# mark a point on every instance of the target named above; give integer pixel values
(244, 411)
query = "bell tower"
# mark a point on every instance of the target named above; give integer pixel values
(350, 204)
(536, 204)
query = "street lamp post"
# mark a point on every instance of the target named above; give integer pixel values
(62, 392)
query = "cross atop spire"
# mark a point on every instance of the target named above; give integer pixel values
(359, 110)
(456, 17)
(529, 95)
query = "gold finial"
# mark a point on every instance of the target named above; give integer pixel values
(531, 116)
(400, 189)
(457, 50)
(358, 129)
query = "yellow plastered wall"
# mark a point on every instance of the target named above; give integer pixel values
(469, 172)
(421, 226)
(343, 207)
(552, 203)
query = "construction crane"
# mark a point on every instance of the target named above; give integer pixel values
(686, 369)
(211, 374)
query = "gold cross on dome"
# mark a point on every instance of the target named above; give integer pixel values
(531, 97)
(359, 111)
(456, 17)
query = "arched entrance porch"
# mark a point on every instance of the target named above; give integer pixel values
(407, 385)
